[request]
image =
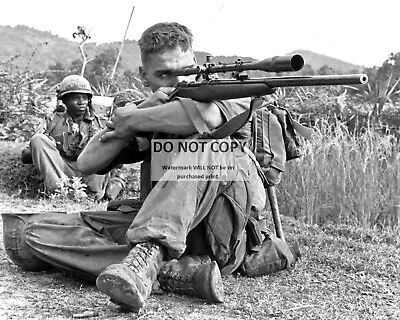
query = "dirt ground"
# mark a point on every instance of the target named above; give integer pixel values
(344, 273)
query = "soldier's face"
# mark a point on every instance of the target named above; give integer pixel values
(156, 70)
(76, 103)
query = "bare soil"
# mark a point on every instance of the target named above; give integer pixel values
(344, 273)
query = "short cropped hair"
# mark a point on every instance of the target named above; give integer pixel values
(164, 35)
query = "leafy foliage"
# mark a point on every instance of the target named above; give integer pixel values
(73, 189)
(26, 97)
(99, 71)
(23, 105)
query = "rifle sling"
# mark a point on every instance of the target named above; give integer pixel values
(233, 125)
(194, 115)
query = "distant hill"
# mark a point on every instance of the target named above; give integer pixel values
(316, 61)
(28, 48)
(25, 47)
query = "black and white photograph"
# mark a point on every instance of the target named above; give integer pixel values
(190, 160)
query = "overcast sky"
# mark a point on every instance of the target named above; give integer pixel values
(362, 32)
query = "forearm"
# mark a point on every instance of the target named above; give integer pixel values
(173, 118)
(97, 155)
(180, 117)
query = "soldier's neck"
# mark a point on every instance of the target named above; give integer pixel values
(76, 117)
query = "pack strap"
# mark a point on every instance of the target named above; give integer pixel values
(233, 125)
(283, 249)
(194, 114)
(226, 129)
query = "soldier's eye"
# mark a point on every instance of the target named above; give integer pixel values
(164, 74)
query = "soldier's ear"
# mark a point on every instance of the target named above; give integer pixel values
(143, 77)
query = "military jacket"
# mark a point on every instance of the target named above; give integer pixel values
(70, 136)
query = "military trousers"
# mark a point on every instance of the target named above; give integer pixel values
(78, 243)
(186, 217)
(53, 167)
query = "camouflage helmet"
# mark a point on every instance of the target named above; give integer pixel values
(74, 84)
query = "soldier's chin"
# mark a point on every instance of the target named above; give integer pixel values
(78, 113)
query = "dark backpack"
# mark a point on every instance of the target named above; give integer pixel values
(274, 139)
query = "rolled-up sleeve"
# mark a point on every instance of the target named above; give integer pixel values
(233, 107)
(228, 108)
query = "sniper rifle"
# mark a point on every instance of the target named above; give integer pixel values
(240, 86)
(209, 88)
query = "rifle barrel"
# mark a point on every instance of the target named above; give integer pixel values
(296, 81)
(326, 80)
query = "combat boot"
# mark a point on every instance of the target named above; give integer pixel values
(194, 276)
(129, 283)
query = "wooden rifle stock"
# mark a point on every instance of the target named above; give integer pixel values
(212, 90)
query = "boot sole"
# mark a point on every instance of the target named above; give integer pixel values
(117, 282)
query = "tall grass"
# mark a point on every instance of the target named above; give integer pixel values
(342, 178)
